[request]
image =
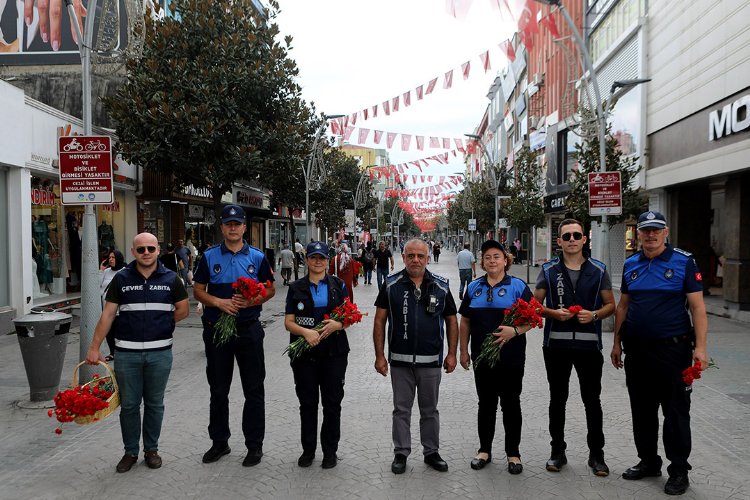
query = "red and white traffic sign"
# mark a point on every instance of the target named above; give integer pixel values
(605, 193)
(85, 170)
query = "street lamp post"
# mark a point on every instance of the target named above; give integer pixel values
(315, 172)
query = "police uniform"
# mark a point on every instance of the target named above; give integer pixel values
(322, 369)
(485, 305)
(657, 339)
(218, 269)
(416, 336)
(569, 344)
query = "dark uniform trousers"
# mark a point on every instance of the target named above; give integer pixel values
(653, 373)
(559, 363)
(320, 379)
(505, 382)
(248, 350)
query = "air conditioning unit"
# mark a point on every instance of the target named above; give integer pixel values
(538, 79)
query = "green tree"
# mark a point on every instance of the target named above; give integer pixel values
(587, 154)
(524, 209)
(213, 99)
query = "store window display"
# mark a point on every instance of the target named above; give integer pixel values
(47, 258)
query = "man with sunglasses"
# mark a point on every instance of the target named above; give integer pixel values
(573, 339)
(219, 268)
(421, 313)
(150, 299)
(659, 284)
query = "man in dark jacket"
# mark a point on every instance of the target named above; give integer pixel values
(420, 312)
(573, 338)
(150, 299)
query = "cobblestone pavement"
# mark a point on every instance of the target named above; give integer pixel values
(79, 464)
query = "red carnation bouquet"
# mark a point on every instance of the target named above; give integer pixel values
(575, 309)
(520, 313)
(225, 328)
(347, 314)
(82, 401)
(692, 373)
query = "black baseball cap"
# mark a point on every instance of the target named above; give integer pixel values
(651, 220)
(492, 244)
(232, 213)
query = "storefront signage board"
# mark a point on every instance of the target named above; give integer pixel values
(85, 170)
(605, 193)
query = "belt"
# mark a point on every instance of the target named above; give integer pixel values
(677, 340)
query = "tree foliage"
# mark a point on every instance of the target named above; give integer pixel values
(587, 155)
(524, 209)
(212, 99)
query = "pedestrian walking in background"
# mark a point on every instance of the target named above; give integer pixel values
(482, 311)
(652, 325)
(467, 269)
(436, 252)
(286, 261)
(171, 261)
(219, 268)
(368, 262)
(319, 373)
(112, 265)
(186, 257)
(577, 293)
(150, 299)
(421, 313)
(382, 258)
(345, 267)
(299, 252)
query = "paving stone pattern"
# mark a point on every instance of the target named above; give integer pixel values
(80, 464)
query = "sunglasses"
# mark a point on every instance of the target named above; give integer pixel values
(576, 236)
(142, 250)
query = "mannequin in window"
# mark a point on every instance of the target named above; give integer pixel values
(74, 243)
(106, 235)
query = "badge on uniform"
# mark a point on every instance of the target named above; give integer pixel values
(633, 275)
(300, 306)
(668, 274)
(217, 268)
(478, 292)
(251, 269)
(501, 292)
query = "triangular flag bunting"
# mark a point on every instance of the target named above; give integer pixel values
(405, 142)
(485, 58)
(420, 142)
(407, 98)
(390, 139)
(448, 81)
(431, 86)
(363, 133)
(378, 135)
(465, 68)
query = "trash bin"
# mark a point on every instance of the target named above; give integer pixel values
(43, 338)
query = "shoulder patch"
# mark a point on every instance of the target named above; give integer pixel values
(683, 252)
(440, 278)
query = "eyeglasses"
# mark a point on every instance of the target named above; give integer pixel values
(576, 236)
(142, 250)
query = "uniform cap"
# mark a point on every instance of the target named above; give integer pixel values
(651, 220)
(232, 213)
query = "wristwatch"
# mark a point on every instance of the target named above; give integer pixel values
(595, 316)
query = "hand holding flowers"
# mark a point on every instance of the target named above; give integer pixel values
(247, 293)
(692, 373)
(521, 313)
(341, 317)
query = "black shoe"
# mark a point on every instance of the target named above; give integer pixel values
(217, 451)
(515, 468)
(306, 459)
(126, 463)
(479, 463)
(153, 460)
(398, 466)
(556, 462)
(640, 471)
(598, 467)
(252, 458)
(436, 462)
(329, 461)
(676, 485)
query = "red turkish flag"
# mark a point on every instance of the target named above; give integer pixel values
(405, 142)
(527, 39)
(434, 142)
(420, 142)
(448, 81)
(335, 128)
(363, 133)
(549, 23)
(431, 86)
(348, 132)
(387, 108)
(407, 98)
(446, 143)
(375, 111)
(354, 118)
(459, 144)
(395, 104)
(471, 147)
(507, 49)
(485, 58)
(364, 113)
(465, 69)
(389, 140)
(527, 20)
(420, 92)
(378, 135)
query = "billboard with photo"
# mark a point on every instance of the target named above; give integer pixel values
(43, 38)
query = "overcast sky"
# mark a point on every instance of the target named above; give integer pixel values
(354, 54)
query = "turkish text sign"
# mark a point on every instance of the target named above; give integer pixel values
(85, 170)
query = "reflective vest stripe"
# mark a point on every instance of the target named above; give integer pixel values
(147, 306)
(143, 346)
(569, 336)
(409, 358)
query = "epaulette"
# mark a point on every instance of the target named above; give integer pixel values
(439, 278)
(683, 252)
